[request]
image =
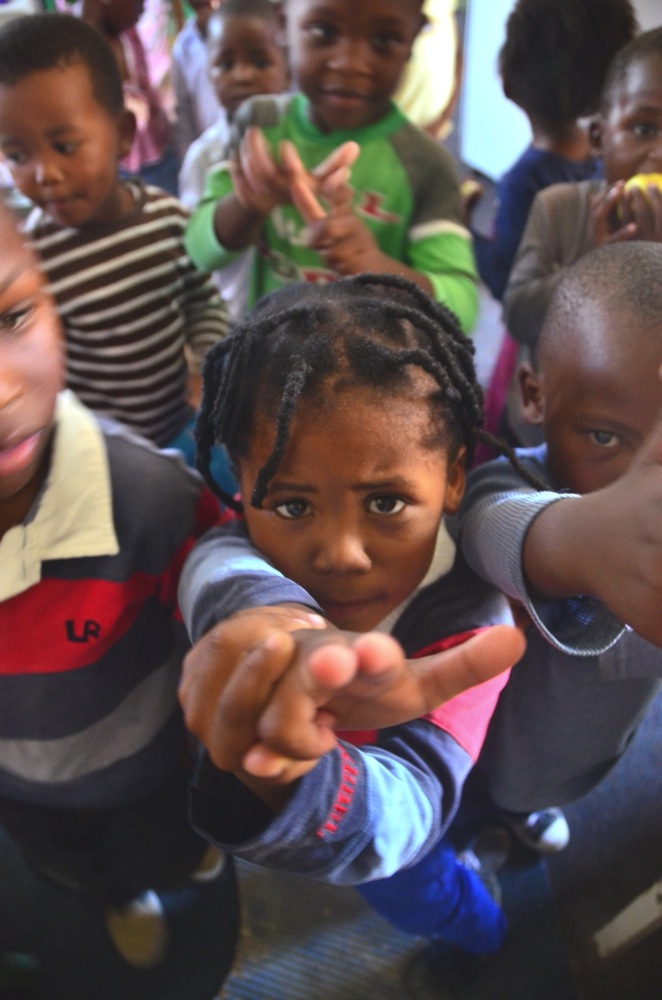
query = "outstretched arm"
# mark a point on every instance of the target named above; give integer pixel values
(607, 544)
(264, 691)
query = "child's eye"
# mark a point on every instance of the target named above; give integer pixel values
(384, 43)
(643, 130)
(15, 157)
(292, 510)
(15, 319)
(604, 439)
(386, 505)
(66, 148)
(321, 34)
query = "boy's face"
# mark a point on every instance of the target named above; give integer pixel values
(348, 56)
(31, 375)
(247, 60)
(629, 135)
(355, 525)
(599, 400)
(62, 147)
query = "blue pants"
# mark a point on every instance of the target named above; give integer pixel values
(439, 898)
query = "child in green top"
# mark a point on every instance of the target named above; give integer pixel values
(402, 213)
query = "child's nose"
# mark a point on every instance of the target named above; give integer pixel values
(350, 55)
(342, 552)
(243, 71)
(46, 170)
(10, 388)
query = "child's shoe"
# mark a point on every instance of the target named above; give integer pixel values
(211, 865)
(139, 930)
(545, 831)
(486, 855)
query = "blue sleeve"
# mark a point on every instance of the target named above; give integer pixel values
(360, 814)
(496, 513)
(495, 254)
(225, 574)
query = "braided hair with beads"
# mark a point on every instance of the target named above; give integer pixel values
(369, 331)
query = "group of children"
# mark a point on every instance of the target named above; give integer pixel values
(350, 540)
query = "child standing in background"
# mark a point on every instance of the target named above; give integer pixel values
(196, 103)
(553, 64)
(245, 58)
(152, 153)
(349, 410)
(568, 220)
(95, 760)
(583, 553)
(130, 301)
(402, 212)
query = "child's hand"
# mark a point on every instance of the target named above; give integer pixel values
(345, 244)
(342, 240)
(608, 225)
(260, 184)
(262, 712)
(644, 212)
(214, 658)
(628, 571)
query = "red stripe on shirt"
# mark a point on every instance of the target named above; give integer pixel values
(466, 716)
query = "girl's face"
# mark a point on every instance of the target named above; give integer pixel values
(353, 511)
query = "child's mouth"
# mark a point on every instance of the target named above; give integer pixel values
(16, 457)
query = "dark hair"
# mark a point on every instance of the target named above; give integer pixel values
(557, 52)
(39, 42)
(643, 45)
(363, 331)
(619, 279)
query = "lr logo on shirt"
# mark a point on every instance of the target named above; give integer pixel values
(90, 630)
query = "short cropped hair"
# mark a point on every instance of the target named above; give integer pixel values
(38, 42)
(617, 278)
(557, 52)
(646, 44)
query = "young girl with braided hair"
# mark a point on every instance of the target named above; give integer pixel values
(349, 411)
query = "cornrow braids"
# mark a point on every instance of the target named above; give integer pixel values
(365, 331)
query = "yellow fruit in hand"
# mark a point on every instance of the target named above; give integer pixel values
(643, 182)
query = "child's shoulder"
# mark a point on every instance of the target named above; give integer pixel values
(569, 195)
(140, 473)
(158, 501)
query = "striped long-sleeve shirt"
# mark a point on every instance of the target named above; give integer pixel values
(131, 302)
(91, 640)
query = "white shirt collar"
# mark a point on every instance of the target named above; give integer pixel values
(442, 561)
(73, 515)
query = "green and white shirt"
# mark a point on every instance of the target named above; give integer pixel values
(406, 192)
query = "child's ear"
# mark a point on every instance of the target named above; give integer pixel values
(127, 132)
(532, 397)
(456, 479)
(595, 127)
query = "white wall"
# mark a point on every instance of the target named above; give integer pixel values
(493, 132)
